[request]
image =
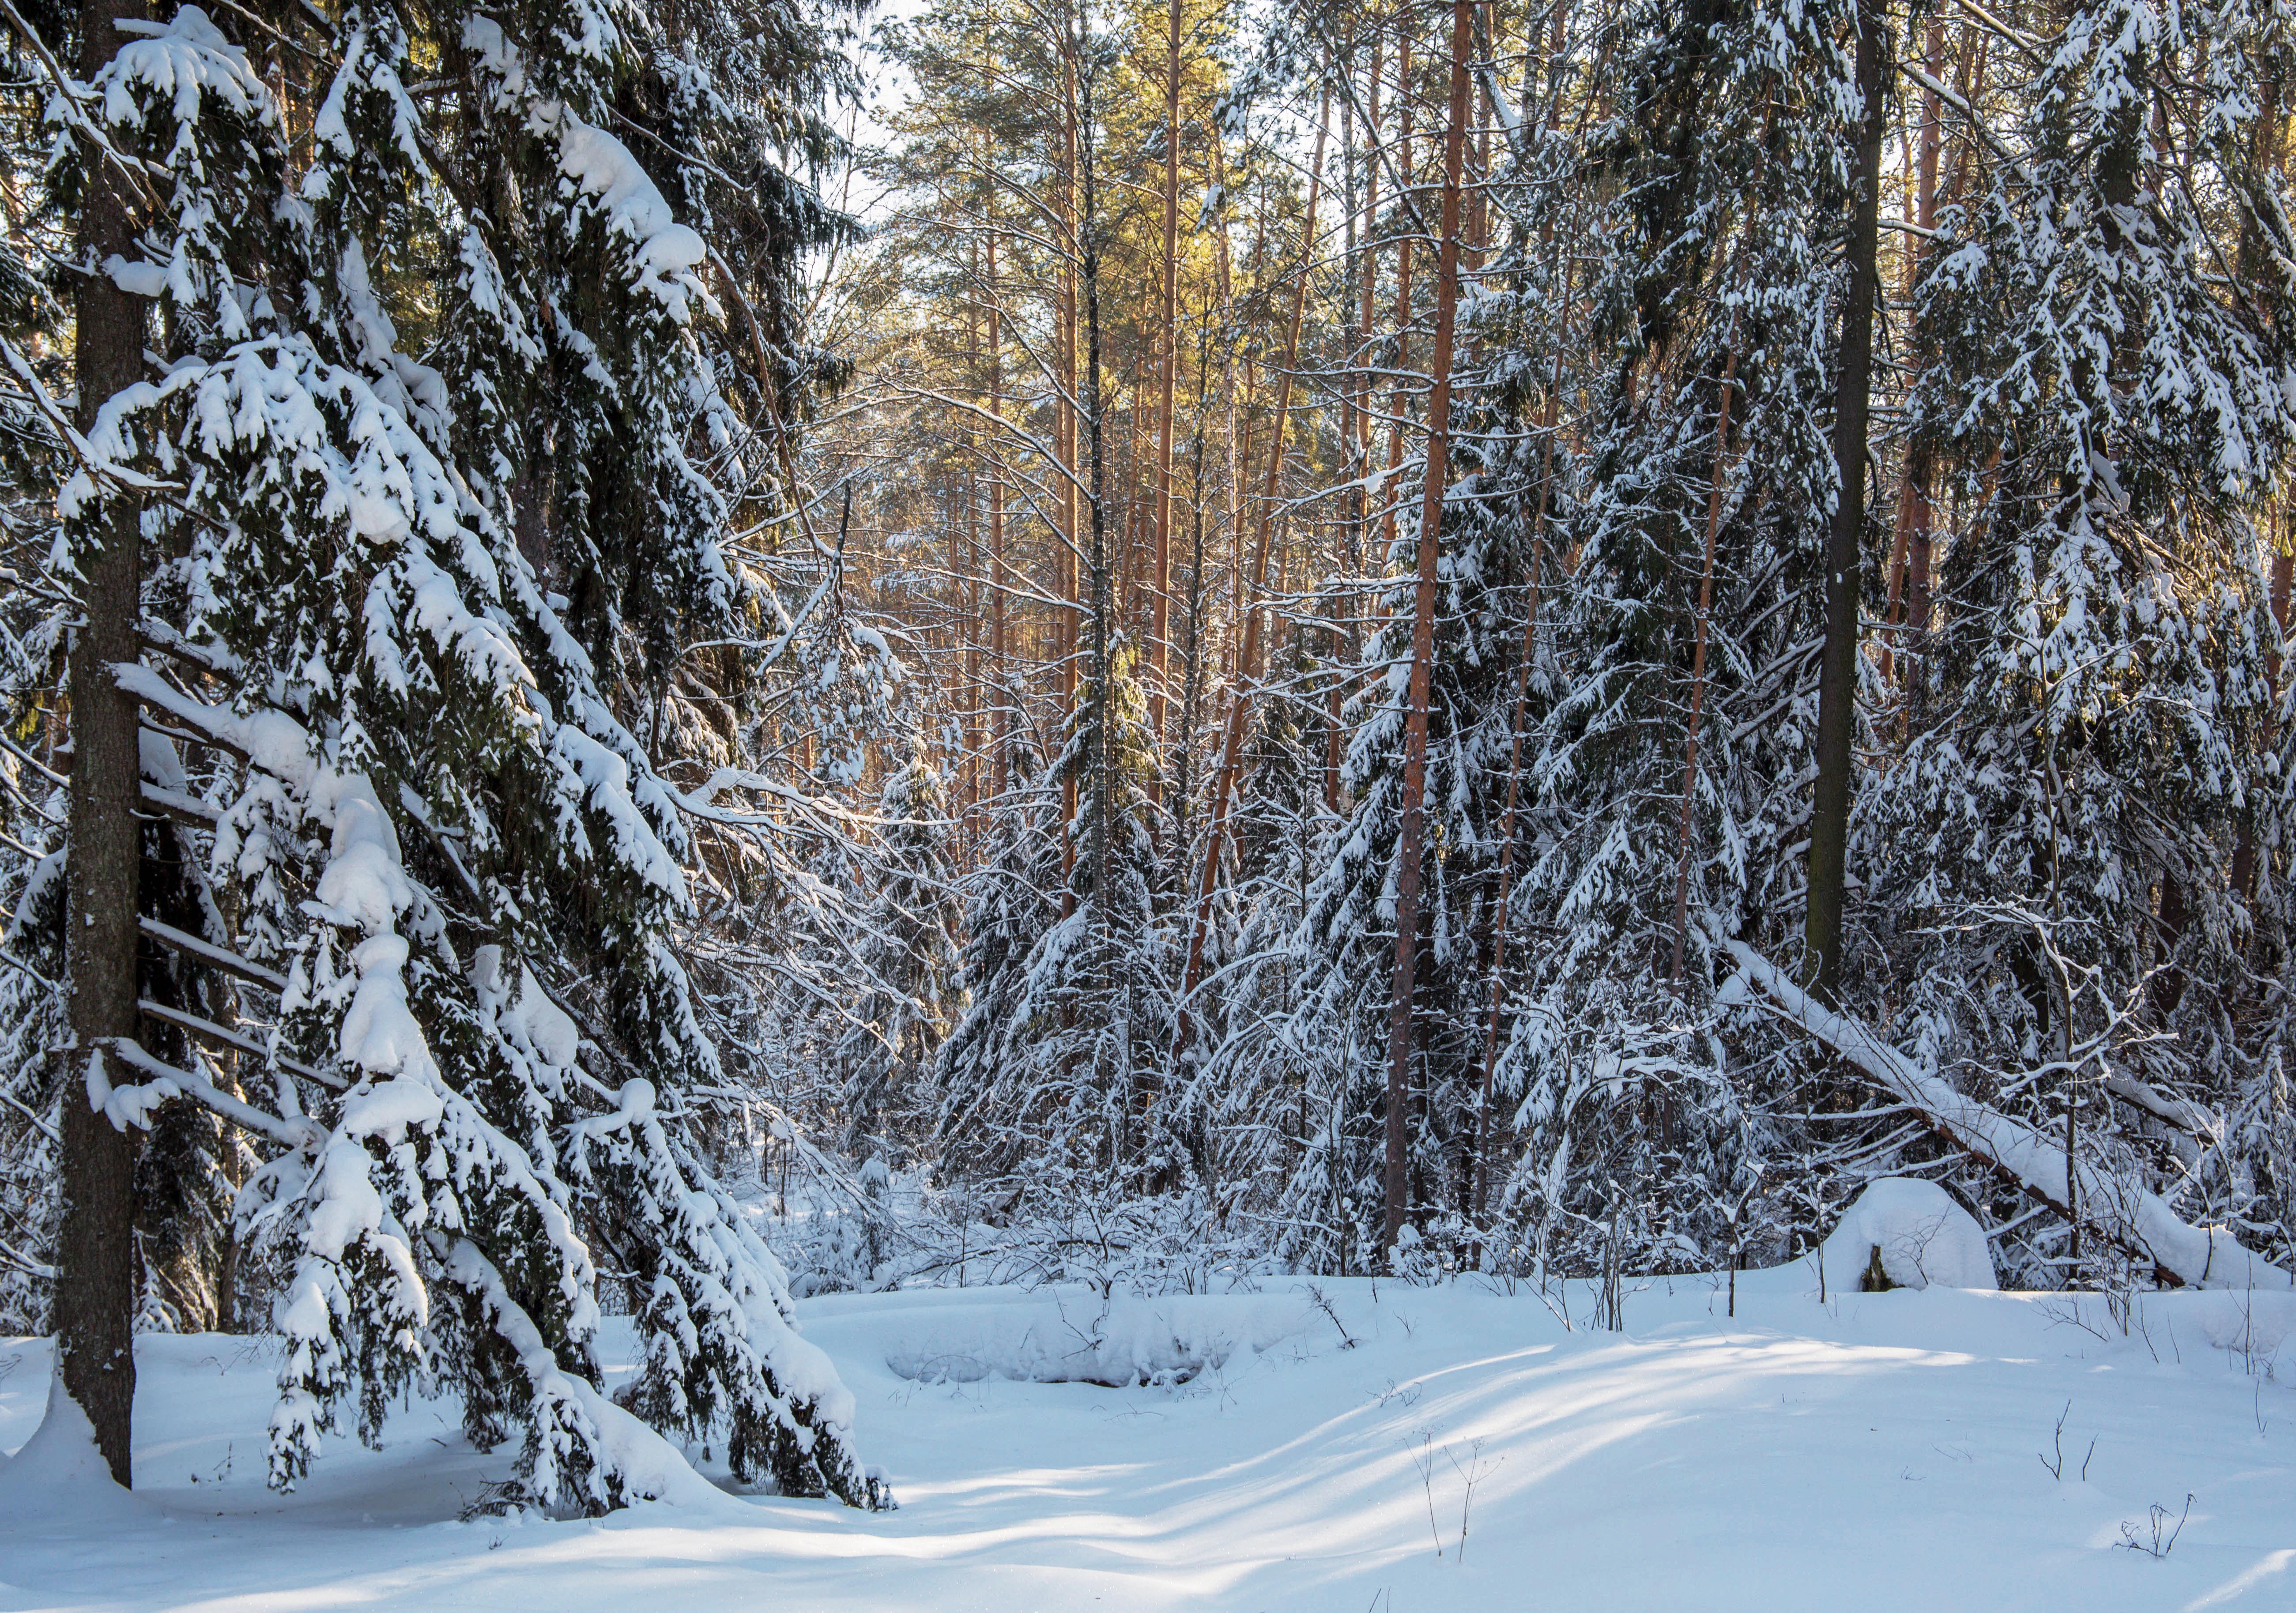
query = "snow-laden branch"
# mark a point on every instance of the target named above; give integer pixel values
(93, 460)
(238, 1041)
(702, 803)
(209, 952)
(68, 101)
(133, 1106)
(2124, 1211)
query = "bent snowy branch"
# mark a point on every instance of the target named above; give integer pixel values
(2133, 1217)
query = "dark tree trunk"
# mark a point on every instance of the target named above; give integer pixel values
(1099, 755)
(1000, 729)
(1837, 697)
(96, 1245)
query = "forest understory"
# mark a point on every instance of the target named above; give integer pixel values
(666, 669)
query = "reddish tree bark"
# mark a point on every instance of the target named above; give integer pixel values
(1411, 832)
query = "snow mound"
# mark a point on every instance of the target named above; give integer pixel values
(1068, 1338)
(2260, 1327)
(1926, 1240)
(59, 1472)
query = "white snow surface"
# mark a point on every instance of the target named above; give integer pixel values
(1052, 1335)
(1926, 1240)
(1877, 1451)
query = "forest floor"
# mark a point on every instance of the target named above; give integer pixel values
(1306, 1447)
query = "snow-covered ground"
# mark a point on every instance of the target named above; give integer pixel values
(1876, 1452)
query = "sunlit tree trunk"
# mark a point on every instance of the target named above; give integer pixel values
(1160, 606)
(1412, 827)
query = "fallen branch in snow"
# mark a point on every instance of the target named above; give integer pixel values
(2137, 1219)
(1322, 1302)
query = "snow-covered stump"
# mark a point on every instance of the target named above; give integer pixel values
(1906, 1233)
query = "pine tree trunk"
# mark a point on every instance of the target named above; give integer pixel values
(1065, 413)
(1697, 659)
(1412, 829)
(970, 639)
(1910, 565)
(1192, 663)
(96, 1245)
(1388, 496)
(1098, 764)
(1347, 658)
(1000, 718)
(1099, 760)
(1247, 649)
(1921, 474)
(1160, 606)
(1837, 697)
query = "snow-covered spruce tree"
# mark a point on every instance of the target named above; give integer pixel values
(1347, 938)
(1719, 183)
(1103, 974)
(2092, 701)
(32, 803)
(1061, 1060)
(1262, 1104)
(32, 1035)
(428, 822)
(1013, 901)
(911, 968)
